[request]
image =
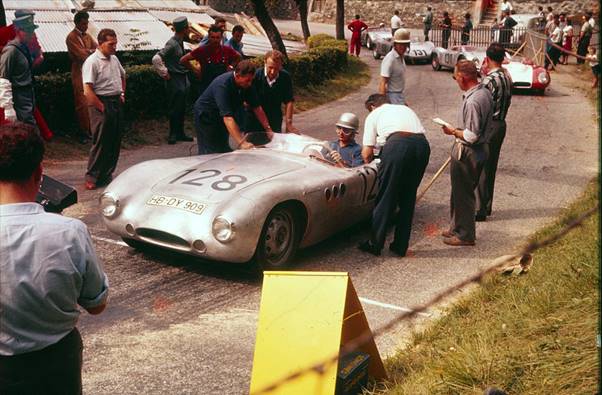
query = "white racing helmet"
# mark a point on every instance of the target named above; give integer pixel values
(348, 120)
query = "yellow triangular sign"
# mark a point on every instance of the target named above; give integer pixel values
(304, 319)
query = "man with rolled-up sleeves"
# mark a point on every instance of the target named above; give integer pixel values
(48, 269)
(104, 88)
(469, 153)
(404, 156)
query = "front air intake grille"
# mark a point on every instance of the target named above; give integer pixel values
(162, 238)
(522, 84)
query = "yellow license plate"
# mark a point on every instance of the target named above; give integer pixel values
(182, 204)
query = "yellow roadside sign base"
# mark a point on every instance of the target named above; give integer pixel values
(304, 319)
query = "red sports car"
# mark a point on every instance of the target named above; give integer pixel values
(524, 74)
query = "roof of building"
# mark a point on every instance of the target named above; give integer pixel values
(139, 24)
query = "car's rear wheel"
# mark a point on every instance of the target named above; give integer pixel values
(435, 62)
(369, 44)
(375, 54)
(279, 239)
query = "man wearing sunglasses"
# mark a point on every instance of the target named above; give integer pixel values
(344, 151)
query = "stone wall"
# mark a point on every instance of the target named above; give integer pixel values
(374, 12)
(280, 9)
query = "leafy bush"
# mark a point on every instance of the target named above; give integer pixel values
(145, 95)
(319, 39)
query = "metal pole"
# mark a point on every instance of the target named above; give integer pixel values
(437, 174)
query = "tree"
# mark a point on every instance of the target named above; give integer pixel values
(264, 18)
(340, 20)
(2, 14)
(302, 6)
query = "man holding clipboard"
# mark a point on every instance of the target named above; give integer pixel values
(469, 153)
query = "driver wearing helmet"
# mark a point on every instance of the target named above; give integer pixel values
(344, 151)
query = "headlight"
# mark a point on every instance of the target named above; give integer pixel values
(109, 204)
(223, 230)
(542, 77)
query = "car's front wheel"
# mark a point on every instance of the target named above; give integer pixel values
(369, 44)
(278, 240)
(375, 54)
(435, 62)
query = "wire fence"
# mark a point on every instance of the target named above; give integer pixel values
(480, 36)
(523, 256)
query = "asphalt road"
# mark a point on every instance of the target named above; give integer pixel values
(176, 325)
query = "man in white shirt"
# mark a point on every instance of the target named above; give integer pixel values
(393, 69)
(396, 22)
(404, 156)
(104, 88)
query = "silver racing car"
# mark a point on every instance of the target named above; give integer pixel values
(259, 204)
(448, 58)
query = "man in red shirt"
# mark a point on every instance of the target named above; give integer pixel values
(356, 27)
(214, 58)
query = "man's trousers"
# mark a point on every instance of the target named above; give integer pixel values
(465, 173)
(484, 192)
(403, 161)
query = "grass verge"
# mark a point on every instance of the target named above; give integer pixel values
(529, 334)
(154, 132)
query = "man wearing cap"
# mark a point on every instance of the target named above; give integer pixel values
(80, 45)
(167, 64)
(468, 154)
(344, 151)
(393, 69)
(16, 77)
(104, 88)
(404, 156)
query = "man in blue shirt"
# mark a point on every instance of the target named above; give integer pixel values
(217, 111)
(49, 268)
(235, 42)
(344, 151)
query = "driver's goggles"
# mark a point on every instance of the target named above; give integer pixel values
(345, 131)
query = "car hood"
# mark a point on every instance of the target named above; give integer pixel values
(224, 176)
(520, 72)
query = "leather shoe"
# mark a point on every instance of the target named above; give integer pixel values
(480, 218)
(171, 140)
(456, 242)
(397, 250)
(183, 137)
(90, 186)
(447, 233)
(367, 246)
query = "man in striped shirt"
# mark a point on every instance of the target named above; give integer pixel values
(499, 83)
